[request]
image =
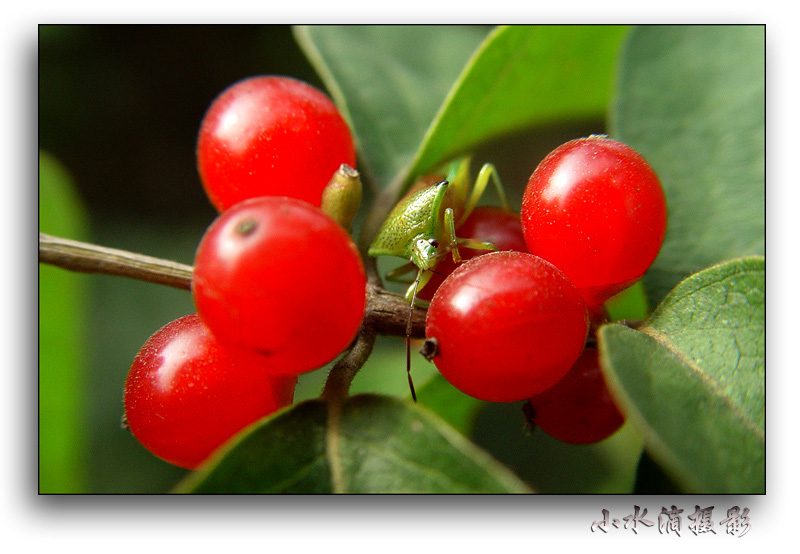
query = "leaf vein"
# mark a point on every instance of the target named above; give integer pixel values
(710, 383)
(387, 455)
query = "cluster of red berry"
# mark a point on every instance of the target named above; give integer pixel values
(512, 325)
(279, 286)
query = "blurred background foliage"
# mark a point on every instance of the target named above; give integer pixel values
(119, 111)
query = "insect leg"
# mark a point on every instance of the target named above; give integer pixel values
(400, 273)
(417, 285)
(476, 244)
(450, 230)
(488, 172)
(413, 290)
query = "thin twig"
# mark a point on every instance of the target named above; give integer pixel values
(90, 258)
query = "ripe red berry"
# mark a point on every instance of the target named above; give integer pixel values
(271, 136)
(506, 326)
(578, 409)
(487, 224)
(277, 276)
(596, 210)
(185, 395)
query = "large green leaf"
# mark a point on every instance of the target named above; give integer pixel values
(390, 80)
(691, 99)
(62, 335)
(693, 377)
(394, 83)
(524, 76)
(371, 444)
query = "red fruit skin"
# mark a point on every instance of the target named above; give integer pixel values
(596, 210)
(487, 224)
(185, 395)
(508, 326)
(271, 136)
(292, 287)
(578, 409)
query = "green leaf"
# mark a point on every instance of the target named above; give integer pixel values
(521, 77)
(691, 99)
(693, 378)
(389, 81)
(449, 403)
(630, 304)
(371, 444)
(62, 336)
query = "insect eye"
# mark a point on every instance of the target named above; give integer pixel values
(434, 243)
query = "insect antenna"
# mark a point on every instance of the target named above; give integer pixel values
(408, 334)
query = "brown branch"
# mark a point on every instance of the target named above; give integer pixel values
(346, 367)
(386, 312)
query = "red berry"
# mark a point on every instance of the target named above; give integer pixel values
(578, 409)
(596, 210)
(277, 276)
(284, 386)
(185, 395)
(271, 136)
(506, 326)
(488, 224)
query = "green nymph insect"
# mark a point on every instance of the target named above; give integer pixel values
(422, 229)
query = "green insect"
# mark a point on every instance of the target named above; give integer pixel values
(422, 229)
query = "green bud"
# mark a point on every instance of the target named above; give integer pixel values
(342, 195)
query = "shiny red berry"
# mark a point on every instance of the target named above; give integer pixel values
(505, 326)
(271, 135)
(486, 224)
(185, 395)
(578, 409)
(277, 276)
(596, 210)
